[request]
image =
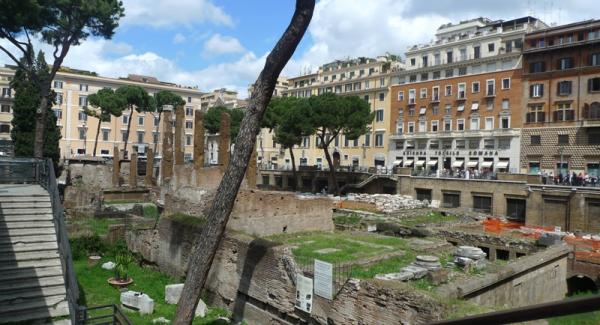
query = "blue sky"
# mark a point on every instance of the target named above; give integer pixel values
(213, 44)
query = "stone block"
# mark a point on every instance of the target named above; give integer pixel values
(438, 276)
(417, 271)
(471, 252)
(173, 293)
(400, 276)
(549, 239)
(429, 262)
(137, 301)
(108, 265)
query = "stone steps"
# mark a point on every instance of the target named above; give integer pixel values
(4, 232)
(23, 256)
(31, 283)
(23, 199)
(37, 272)
(16, 265)
(26, 224)
(26, 217)
(24, 211)
(25, 204)
(35, 311)
(27, 239)
(27, 247)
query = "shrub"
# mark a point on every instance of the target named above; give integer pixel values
(82, 247)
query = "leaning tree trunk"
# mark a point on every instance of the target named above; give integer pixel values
(333, 186)
(40, 122)
(294, 174)
(97, 133)
(207, 243)
(127, 134)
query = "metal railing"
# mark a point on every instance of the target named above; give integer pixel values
(103, 315)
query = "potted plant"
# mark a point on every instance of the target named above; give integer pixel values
(121, 278)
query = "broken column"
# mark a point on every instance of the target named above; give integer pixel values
(251, 170)
(133, 170)
(179, 119)
(224, 135)
(148, 180)
(166, 166)
(198, 140)
(116, 167)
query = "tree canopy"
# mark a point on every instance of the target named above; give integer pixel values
(137, 97)
(108, 102)
(212, 119)
(290, 118)
(165, 97)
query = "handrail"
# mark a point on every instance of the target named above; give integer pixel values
(114, 317)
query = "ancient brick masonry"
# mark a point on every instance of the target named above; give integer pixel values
(116, 167)
(148, 180)
(179, 119)
(224, 135)
(167, 157)
(198, 140)
(133, 170)
(251, 170)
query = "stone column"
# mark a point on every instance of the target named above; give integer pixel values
(133, 170)
(198, 140)
(166, 166)
(224, 143)
(251, 170)
(116, 166)
(179, 143)
(148, 180)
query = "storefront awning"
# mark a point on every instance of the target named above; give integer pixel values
(502, 164)
(472, 164)
(398, 162)
(422, 111)
(475, 106)
(408, 163)
(420, 163)
(487, 164)
(458, 164)
(432, 163)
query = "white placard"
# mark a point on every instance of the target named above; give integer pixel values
(304, 293)
(324, 279)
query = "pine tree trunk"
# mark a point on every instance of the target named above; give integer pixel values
(97, 133)
(127, 134)
(333, 184)
(207, 243)
(294, 174)
(40, 122)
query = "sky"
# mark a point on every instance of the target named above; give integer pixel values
(213, 44)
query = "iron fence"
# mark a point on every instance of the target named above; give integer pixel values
(20, 170)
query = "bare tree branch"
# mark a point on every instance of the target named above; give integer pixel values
(18, 62)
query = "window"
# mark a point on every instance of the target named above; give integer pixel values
(489, 143)
(399, 128)
(475, 87)
(535, 140)
(474, 143)
(57, 113)
(489, 123)
(5, 108)
(423, 93)
(448, 90)
(436, 75)
(189, 99)
(189, 111)
(448, 125)
(125, 119)
(411, 111)
(400, 96)
(474, 123)
(536, 67)
(482, 203)
(379, 115)
(436, 59)
(461, 93)
(489, 103)
(105, 134)
(505, 103)
(124, 135)
(379, 139)
(411, 127)
(140, 137)
(58, 84)
(505, 122)
(381, 97)
(424, 60)
(476, 52)
(382, 82)
(503, 143)
(505, 83)
(6, 92)
(460, 144)
(83, 87)
(140, 120)
(564, 112)
(434, 126)
(449, 57)
(59, 98)
(563, 88)
(565, 63)
(435, 109)
(188, 140)
(366, 98)
(82, 101)
(413, 62)
(412, 78)
(155, 136)
(448, 109)
(536, 114)
(434, 144)
(594, 84)
(424, 76)
(563, 139)
(595, 59)
(82, 116)
(412, 94)
(306, 142)
(422, 126)
(156, 121)
(491, 47)
(462, 71)
(189, 124)
(449, 73)
(490, 87)
(82, 133)
(536, 90)
(451, 200)
(4, 128)
(460, 124)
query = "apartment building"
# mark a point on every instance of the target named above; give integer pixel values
(367, 78)
(561, 96)
(457, 105)
(281, 86)
(220, 97)
(78, 130)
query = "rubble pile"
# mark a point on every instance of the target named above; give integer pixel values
(423, 265)
(470, 255)
(389, 203)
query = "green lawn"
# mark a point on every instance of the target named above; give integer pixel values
(96, 291)
(347, 219)
(432, 217)
(592, 318)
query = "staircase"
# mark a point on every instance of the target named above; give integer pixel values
(32, 282)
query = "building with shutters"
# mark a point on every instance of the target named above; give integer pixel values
(458, 104)
(561, 97)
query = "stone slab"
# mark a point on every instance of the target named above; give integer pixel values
(137, 301)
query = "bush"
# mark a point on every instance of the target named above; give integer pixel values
(82, 247)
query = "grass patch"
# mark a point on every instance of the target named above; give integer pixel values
(432, 217)
(187, 219)
(95, 291)
(591, 318)
(390, 265)
(123, 201)
(150, 211)
(99, 226)
(347, 219)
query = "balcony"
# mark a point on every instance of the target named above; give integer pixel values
(457, 134)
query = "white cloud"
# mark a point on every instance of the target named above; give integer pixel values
(218, 44)
(178, 38)
(167, 13)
